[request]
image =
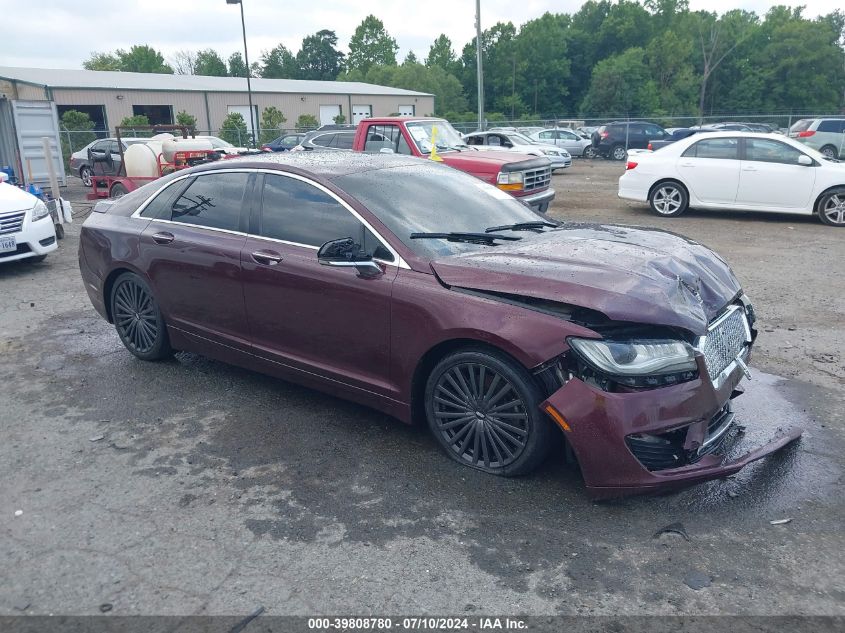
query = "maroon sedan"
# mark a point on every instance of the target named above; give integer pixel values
(427, 294)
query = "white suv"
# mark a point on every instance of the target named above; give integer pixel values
(26, 228)
(824, 135)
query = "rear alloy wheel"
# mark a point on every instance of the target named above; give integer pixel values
(483, 409)
(118, 191)
(589, 152)
(832, 208)
(829, 151)
(137, 318)
(668, 199)
(618, 152)
(85, 175)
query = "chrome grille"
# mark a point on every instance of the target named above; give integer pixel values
(537, 178)
(725, 340)
(11, 222)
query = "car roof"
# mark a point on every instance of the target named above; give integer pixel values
(324, 164)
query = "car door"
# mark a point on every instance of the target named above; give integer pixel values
(710, 168)
(192, 251)
(771, 177)
(571, 142)
(548, 136)
(114, 149)
(304, 316)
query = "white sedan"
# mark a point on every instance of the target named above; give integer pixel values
(26, 228)
(737, 170)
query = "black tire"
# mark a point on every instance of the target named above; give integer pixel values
(118, 191)
(589, 152)
(60, 231)
(543, 208)
(85, 174)
(668, 199)
(829, 151)
(618, 152)
(137, 318)
(483, 409)
(832, 207)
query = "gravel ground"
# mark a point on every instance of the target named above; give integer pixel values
(191, 487)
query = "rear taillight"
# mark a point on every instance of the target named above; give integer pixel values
(650, 147)
(604, 134)
(631, 165)
(805, 133)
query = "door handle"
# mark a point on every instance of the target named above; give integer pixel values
(687, 164)
(163, 238)
(749, 168)
(269, 258)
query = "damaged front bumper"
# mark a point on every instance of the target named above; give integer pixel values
(658, 439)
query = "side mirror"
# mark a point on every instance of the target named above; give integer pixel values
(805, 160)
(345, 253)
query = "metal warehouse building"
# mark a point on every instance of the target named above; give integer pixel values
(33, 99)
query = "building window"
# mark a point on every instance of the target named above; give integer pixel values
(96, 113)
(157, 114)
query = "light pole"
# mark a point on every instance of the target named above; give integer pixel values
(246, 63)
(478, 64)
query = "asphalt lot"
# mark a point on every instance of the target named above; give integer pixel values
(192, 487)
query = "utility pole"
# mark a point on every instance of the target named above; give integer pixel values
(253, 132)
(478, 64)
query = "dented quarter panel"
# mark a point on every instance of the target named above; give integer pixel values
(628, 274)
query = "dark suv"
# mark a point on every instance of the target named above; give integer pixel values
(613, 140)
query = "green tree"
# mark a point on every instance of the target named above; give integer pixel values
(670, 59)
(370, 45)
(138, 59)
(318, 58)
(234, 130)
(129, 124)
(80, 126)
(441, 54)
(183, 62)
(411, 58)
(237, 67)
(621, 85)
(542, 54)
(272, 121)
(102, 61)
(278, 63)
(307, 122)
(339, 119)
(183, 118)
(209, 63)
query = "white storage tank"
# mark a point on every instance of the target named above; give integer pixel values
(141, 159)
(173, 145)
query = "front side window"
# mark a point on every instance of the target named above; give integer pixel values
(212, 200)
(768, 151)
(724, 148)
(381, 137)
(547, 136)
(324, 140)
(298, 212)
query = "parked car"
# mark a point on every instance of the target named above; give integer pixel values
(516, 142)
(528, 131)
(567, 139)
(613, 140)
(826, 135)
(738, 170)
(326, 141)
(586, 131)
(26, 228)
(284, 143)
(677, 134)
(422, 292)
(80, 162)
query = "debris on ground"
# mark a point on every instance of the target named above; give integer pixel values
(106, 607)
(696, 580)
(18, 513)
(781, 521)
(96, 438)
(673, 528)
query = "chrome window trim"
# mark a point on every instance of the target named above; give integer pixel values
(399, 261)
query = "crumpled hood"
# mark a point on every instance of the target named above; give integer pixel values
(628, 274)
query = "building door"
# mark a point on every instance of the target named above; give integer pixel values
(328, 114)
(407, 110)
(361, 112)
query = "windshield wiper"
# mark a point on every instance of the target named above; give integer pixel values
(522, 226)
(472, 238)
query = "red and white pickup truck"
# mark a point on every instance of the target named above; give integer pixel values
(524, 177)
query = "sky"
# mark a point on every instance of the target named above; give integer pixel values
(63, 33)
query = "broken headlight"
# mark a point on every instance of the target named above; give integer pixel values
(644, 363)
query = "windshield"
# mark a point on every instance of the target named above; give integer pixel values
(433, 198)
(520, 139)
(800, 126)
(439, 133)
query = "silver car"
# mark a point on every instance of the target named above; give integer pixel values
(515, 142)
(567, 139)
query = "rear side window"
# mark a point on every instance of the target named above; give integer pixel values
(160, 206)
(324, 140)
(298, 212)
(802, 125)
(212, 200)
(725, 148)
(831, 125)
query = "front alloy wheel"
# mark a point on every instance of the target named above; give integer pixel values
(832, 208)
(85, 175)
(138, 319)
(483, 410)
(619, 152)
(668, 199)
